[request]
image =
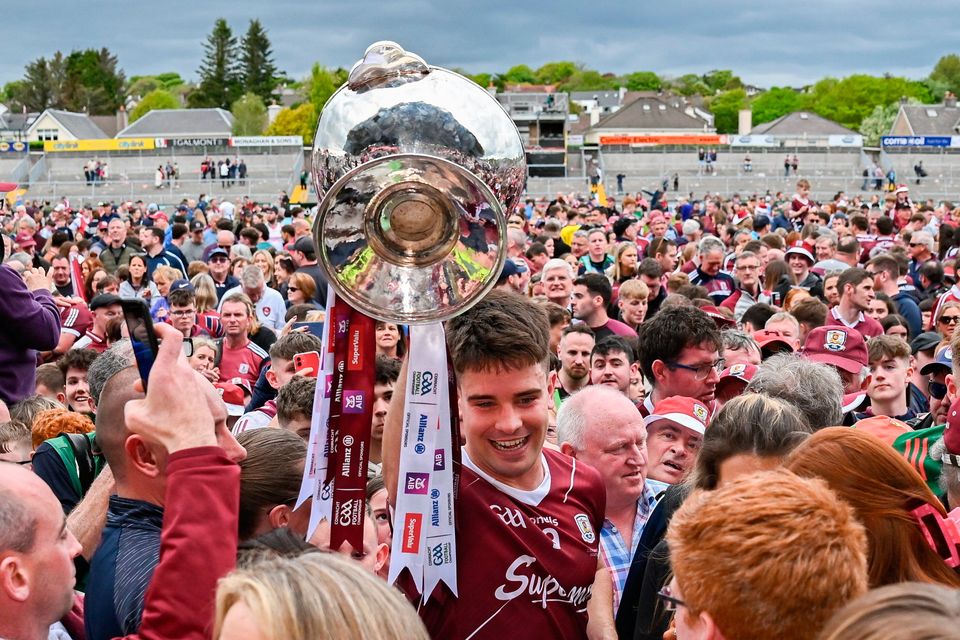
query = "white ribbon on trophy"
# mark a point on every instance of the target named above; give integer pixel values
(423, 532)
(315, 468)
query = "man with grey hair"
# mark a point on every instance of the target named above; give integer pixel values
(268, 302)
(600, 426)
(557, 280)
(739, 348)
(787, 325)
(516, 243)
(921, 251)
(579, 244)
(815, 389)
(692, 230)
(825, 247)
(707, 274)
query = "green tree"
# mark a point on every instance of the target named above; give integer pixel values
(690, 84)
(249, 115)
(257, 69)
(322, 85)
(42, 84)
(520, 74)
(296, 121)
(139, 86)
(219, 82)
(851, 99)
(878, 123)
(93, 83)
(156, 99)
(643, 81)
(776, 102)
(482, 79)
(555, 72)
(947, 72)
(588, 80)
(726, 109)
(721, 80)
(142, 85)
(169, 79)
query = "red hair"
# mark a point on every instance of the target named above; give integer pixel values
(884, 490)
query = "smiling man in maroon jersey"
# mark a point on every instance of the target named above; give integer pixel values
(528, 518)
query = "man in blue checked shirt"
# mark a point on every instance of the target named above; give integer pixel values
(601, 427)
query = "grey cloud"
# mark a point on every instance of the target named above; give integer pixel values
(767, 44)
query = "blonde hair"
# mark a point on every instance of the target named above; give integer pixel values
(318, 595)
(167, 273)
(206, 292)
(268, 277)
(634, 290)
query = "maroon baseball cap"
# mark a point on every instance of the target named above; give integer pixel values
(838, 346)
(736, 377)
(719, 319)
(25, 239)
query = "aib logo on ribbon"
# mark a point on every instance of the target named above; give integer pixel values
(352, 401)
(438, 460)
(417, 483)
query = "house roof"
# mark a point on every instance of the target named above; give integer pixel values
(653, 113)
(605, 99)
(932, 119)
(108, 124)
(80, 125)
(530, 88)
(801, 123)
(16, 121)
(161, 123)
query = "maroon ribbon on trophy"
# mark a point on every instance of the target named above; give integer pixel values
(350, 415)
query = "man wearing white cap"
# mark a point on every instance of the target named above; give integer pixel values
(674, 436)
(800, 258)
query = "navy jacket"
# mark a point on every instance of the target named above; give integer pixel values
(121, 568)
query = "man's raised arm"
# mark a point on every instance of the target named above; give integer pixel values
(392, 429)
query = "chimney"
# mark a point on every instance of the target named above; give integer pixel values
(272, 112)
(122, 120)
(745, 122)
(594, 116)
(950, 100)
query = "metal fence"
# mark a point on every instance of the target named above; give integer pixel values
(170, 193)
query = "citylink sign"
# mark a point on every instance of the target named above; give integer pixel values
(102, 144)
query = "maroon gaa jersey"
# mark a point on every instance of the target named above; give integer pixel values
(526, 560)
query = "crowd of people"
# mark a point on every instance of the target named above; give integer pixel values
(733, 417)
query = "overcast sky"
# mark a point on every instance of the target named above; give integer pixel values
(790, 43)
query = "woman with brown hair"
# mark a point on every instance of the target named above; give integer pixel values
(885, 491)
(300, 289)
(773, 275)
